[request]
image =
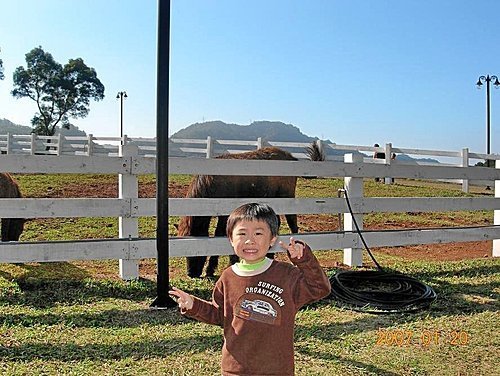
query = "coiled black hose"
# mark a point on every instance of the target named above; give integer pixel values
(378, 291)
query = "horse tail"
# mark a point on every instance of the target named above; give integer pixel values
(315, 153)
(184, 226)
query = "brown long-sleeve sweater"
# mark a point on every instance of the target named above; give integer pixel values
(257, 311)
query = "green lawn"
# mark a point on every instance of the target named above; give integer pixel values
(78, 318)
(62, 318)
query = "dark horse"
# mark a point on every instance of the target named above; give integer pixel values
(224, 186)
(11, 227)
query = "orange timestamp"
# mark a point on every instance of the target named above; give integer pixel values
(406, 337)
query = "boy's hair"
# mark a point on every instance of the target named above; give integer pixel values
(253, 212)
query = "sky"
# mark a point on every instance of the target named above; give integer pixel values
(355, 72)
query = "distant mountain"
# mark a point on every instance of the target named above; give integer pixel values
(267, 130)
(406, 158)
(6, 126)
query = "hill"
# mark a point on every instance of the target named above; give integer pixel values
(267, 130)
(6, 126)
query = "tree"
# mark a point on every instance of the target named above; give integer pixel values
(1, 68)
(60, 92)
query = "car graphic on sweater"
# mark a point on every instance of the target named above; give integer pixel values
(259, 306)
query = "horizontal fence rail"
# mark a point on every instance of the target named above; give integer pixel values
(135, 157)
(177, 165)
(143, 207)
(139, 248)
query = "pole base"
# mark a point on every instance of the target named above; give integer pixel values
(163, 303)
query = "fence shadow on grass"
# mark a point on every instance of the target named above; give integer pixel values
(109, 319)
(70, 352)
(46, 293)
(81, 298)
(464, 297)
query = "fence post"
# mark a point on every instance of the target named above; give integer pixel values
(90, 146)
(354, 187)
(33, 144)
(8, 143)
(465, 163)
(210, 147)
(496, 216)
(388, 155)
(59, 144)
(128, 188)
(259, 142)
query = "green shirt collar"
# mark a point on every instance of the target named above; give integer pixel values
(247, 270)
(246, 267)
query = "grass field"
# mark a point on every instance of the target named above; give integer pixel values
(78, 318)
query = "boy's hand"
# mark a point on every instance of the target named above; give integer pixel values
(296, 250)
(184, 300)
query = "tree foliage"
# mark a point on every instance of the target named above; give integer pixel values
(1, 69)
(60, 92)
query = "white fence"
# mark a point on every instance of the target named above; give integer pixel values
(128, 164)
(209, 147)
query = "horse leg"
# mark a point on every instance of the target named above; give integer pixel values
(16, 228)
(195, 266)
(5, 229)
(198, 227)
(272, 254)
(291, 220)
(12, 229)
(213, 261)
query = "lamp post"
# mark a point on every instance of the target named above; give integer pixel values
(121, 95)
(479, 83)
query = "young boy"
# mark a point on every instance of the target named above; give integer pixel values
(256, 300)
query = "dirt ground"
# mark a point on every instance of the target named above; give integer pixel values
(449, 251)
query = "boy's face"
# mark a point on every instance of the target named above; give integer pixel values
(251, 240)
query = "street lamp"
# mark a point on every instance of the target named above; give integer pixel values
(479, 83)
(121, 95)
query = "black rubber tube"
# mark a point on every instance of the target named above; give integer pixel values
(378, 291)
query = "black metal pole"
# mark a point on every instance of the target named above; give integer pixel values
(487, 79)
(121, 116)
(162, 300)
(121, 96)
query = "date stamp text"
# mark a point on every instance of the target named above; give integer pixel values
(405, 337)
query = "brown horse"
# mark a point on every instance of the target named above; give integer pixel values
(224, 186)
(11, 227)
